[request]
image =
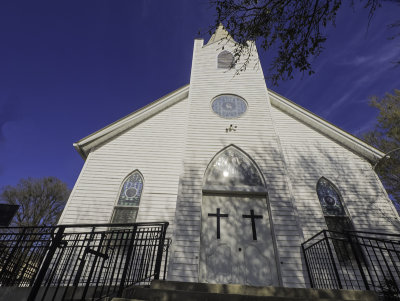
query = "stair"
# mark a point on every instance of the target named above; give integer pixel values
(189, 291)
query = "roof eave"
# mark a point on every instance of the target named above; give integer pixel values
(80, 151)
(355, 144)
(84, 145)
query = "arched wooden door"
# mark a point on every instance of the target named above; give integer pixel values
(237, 245)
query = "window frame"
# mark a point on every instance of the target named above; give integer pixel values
(119, 206)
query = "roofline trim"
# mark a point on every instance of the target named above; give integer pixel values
(357, 145)
(84, 145)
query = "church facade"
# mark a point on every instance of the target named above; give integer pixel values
(242, 174)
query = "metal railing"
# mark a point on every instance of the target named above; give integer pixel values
(354, 260)
(22, 250)
(82, 261)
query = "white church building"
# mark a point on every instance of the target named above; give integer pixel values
(242, 174)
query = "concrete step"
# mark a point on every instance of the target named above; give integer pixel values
(173, 295)
(124, 299)
(167, 290)
(268, 291)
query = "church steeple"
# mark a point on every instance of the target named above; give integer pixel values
(220, 34)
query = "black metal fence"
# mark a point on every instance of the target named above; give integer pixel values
(82, 261)
(354, 260)
(22, 250)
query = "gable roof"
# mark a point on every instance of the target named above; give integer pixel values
(84, 145)
(325, 127)
(361, 148)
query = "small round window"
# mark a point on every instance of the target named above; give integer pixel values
(229, 106)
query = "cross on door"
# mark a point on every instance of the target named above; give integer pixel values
(253, 224)
(218, 215)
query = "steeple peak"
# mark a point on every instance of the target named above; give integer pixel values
(220, 34)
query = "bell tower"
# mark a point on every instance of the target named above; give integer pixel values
(227, 107)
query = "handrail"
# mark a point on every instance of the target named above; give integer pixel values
(361, 260)
(86, 225)
(101, 258)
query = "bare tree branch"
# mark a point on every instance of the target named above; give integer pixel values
(41, 200)
(295, 28)
(386, 136)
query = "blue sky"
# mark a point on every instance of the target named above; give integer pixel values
(69, 68)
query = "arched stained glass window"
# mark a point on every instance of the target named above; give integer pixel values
(129, 199)
(233, 168)
(330, 199)
(332, 206)
(336, 218)
(226, 60)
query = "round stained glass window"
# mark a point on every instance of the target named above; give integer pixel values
(229, 106)
(130, 192)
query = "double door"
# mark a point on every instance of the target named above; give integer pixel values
(236, 241)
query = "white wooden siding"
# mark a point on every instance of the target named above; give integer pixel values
(155, 148)
(311, 155)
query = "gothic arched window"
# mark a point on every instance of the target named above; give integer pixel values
(226, 60)
(233, 168)
(337, 220)
(127, 206)
(332, 206)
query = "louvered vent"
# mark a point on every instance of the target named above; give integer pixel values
(225, 60)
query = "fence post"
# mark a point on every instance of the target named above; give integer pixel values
(160, 251)
(307, 266)
(46, 263)
(127, 262)
(354, 250)
(166, 256)
(333, 260)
